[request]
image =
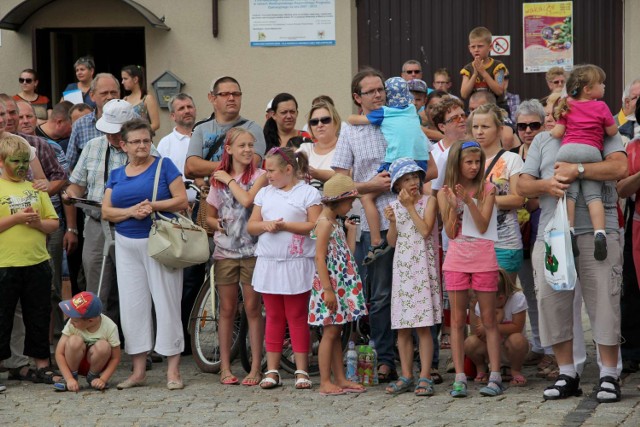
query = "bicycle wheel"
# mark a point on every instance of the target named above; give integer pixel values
(288, 360)
(205, 342)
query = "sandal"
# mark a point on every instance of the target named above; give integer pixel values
(47, 375)
(492, 389)
(459, 389)
(481, 378)
(229, 379)
(252, 381)
(424, 390)
(445, 343)
(268, 382)
(61, 385)
(387, 376)
(303, 383)
(376, 252)
(435, 376)
(569, 388)
(15, 374)
(615, 390)
(403, 384)
(518, 381)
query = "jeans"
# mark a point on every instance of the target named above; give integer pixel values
(378, 282)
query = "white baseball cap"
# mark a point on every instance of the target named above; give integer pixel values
(115, 113)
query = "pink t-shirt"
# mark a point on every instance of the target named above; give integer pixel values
(470, 254)
(585, 123)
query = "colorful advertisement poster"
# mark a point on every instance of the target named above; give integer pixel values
(547, 36)
(292, 22)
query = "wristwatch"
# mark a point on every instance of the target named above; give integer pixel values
(580, 171)
(72, 230)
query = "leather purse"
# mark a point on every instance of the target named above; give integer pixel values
(176, 242)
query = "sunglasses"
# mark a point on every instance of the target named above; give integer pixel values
(457, 118)
(413, 71)
(558, 82)
(534, 126)
(27, 81)
(324, 120)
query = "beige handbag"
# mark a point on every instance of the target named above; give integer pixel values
(176, 242)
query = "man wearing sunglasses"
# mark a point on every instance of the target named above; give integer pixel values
(600, 281)
(411, 69)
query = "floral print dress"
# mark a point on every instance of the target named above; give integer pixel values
(345, 281)
(416, 298)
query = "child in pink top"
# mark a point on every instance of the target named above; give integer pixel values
(471, 261)
(582, 124)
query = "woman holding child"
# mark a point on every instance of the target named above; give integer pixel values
(142, 281)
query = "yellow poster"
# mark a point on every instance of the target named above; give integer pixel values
(547, 36)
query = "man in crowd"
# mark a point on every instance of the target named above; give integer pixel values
(58, 127)
(411, 69)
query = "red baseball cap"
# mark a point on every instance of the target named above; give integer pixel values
(84, 305)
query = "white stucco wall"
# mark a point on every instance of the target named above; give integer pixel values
(631, 38)
(191, 52)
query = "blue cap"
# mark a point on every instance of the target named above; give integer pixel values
(398, 95)
(403, 166)
(417, 85)
(84, 305)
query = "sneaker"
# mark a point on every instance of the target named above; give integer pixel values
(574, 245)
(459, 389)
(600, 247)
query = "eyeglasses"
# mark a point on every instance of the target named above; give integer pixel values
(139, 142)
(324, 120)
(558, 82)
(413, 71)
(534, 126)
(373, 92)
(27, 81)
(228, 94)
(457, 118)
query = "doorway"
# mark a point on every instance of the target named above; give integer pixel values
(55, 51)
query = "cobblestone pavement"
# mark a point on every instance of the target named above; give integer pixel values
(206, 402)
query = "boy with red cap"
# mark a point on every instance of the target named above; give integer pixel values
(90, 344)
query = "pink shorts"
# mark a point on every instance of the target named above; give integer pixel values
(486, 281)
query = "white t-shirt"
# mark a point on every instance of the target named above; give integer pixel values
(108, 331)
(317, 161)
(517, 303)
(175, 146)
(440, 155)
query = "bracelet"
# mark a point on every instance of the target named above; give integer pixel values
(72, 230)
(229, 183)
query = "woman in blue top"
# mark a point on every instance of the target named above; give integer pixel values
(84, 68)
(143, 282)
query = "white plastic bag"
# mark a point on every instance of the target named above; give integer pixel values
(559, 265)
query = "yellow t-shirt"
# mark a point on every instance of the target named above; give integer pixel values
(21, 245)
(108, 331)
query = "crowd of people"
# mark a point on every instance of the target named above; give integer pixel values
(453, 193)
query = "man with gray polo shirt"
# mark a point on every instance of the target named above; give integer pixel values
(600, 281)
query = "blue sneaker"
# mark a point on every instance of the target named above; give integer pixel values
(459, 389)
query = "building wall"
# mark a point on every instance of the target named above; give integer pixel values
(191, 52)
(631, 60)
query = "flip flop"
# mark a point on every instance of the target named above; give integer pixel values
(354, 390)
(333, 393)
(229, 379)
(252, 381)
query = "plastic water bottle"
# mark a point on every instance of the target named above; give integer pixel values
(352, 363)
(372, 345)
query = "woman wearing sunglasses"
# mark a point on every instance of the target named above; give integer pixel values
(280, 129)
(28, 85)
(324, 124)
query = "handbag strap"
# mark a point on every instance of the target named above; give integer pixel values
(493, 163)
(155, 185)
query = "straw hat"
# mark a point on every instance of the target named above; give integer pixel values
(339, 187)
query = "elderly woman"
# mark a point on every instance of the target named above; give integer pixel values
(280, 129)
(84, 68)
(28, 85)
(324, 123)
(143, 282)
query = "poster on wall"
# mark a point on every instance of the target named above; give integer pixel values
(292, 22)
(547, 36)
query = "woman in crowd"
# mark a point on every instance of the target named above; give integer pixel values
(144, 103)
(85, 68)
(144, 283)
(280, 129)
(28, 85)
(324, 123)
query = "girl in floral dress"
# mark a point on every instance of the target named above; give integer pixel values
(415, 289)
(336, 295)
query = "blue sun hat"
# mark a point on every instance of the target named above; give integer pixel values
(403, 166)
(398, 94)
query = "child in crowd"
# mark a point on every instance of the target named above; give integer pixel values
(283, 215)
(471, 261)
(400, 125)
(26, 217)
(582, 124)
(89, 346)
(511, 315)
(336, 296)
(415, 291)
(484, 73)
(235, 184)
